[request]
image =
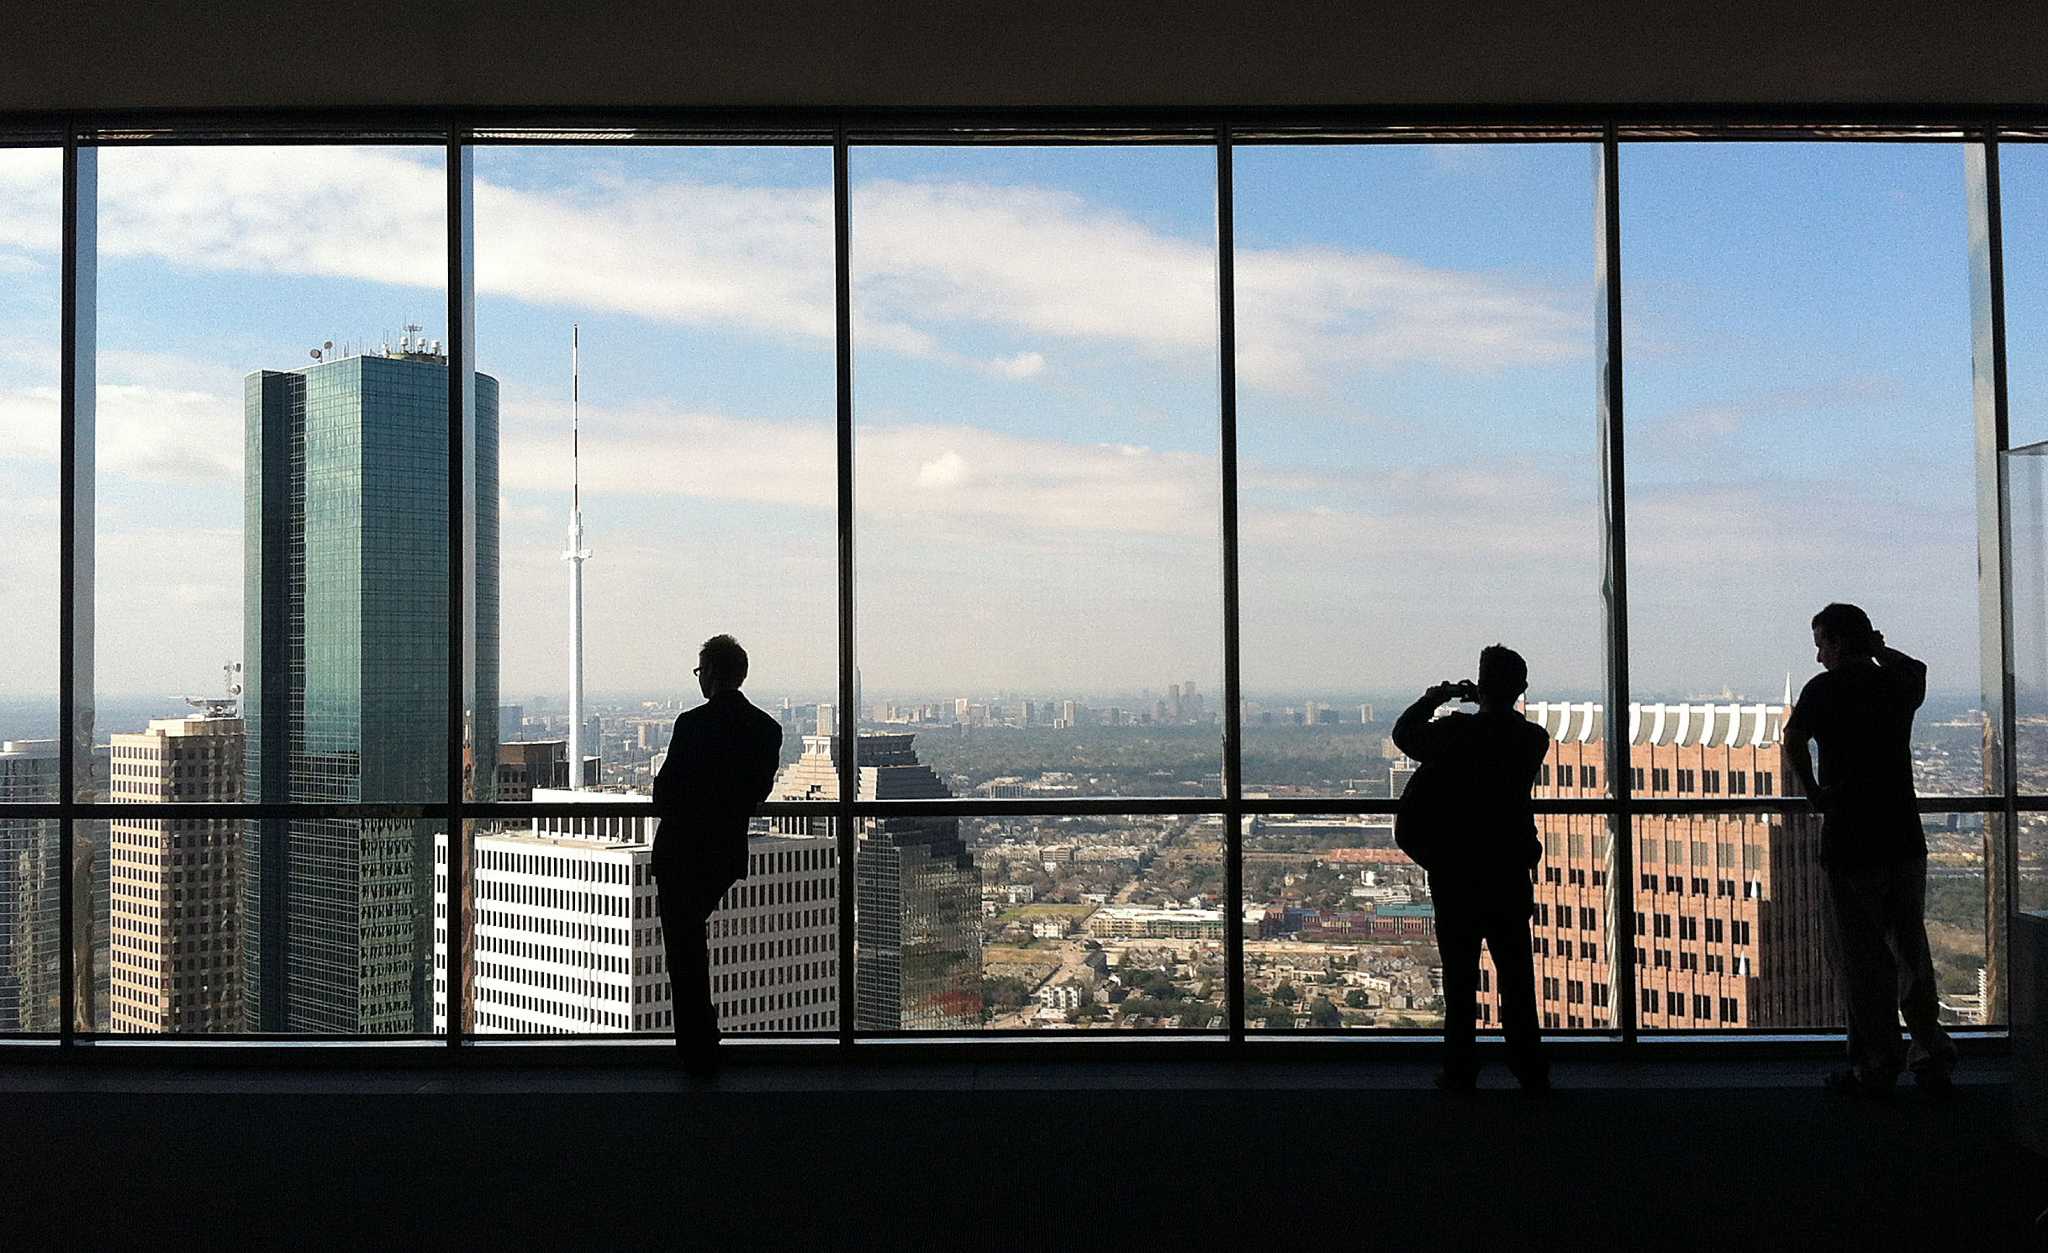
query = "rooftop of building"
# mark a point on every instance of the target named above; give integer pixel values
(1707, 724)
(207, 723)
(1141, 913)
(587, 796)
(526, 838)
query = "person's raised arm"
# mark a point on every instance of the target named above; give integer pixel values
(1909, 673)
(1413, 729)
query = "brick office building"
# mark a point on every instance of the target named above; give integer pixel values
(1729, 928)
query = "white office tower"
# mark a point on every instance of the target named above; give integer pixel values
(176, 886)
(576, 555)
(568, 932)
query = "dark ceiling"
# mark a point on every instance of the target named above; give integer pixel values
(74, 54)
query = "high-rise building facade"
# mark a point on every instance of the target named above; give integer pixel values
(30, 880)
(526, 766)
(346, 653)
(173, 930)
(917, 917)
(567, 932)
(1729, 925)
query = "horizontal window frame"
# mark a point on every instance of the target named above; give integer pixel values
(819, 127)
(950, 807)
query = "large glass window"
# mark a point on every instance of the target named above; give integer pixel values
(1037, 501)
(654, 457)
(1799, 417)
(2023, 188)
(1038, 572)
(30, 286)
(272, 464)
(2023, 200)
(685, 487)
(1417, 436)
(1799, 432)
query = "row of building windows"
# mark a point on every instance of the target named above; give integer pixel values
(557, 898)
(1690, 963)
(1661, 780)
(1679, 885)
(584, 932)
(745, 980)
(1725, 1009)
(584, 869)
(552, 981)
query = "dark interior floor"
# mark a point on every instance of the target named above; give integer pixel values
(1730, 1155)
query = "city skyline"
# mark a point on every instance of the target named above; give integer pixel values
(1036, 397)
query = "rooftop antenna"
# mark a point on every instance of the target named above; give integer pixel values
(576, 555)
(222, 706)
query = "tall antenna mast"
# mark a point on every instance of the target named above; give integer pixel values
(575, 418)
(576, 555)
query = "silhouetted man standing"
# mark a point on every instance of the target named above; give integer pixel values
(721, 764)
(1860, 710)
(1481, 766)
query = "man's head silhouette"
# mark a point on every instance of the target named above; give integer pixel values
(1503, 675)
(721, 665)
(1842, 633)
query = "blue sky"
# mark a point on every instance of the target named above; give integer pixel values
(1036, 393)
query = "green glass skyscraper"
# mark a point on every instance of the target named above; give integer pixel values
(346, 634)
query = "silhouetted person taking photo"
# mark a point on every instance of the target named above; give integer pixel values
(721, 764)
(1466, 819)
(1860, 711)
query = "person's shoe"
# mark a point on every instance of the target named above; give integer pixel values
(1448, 1080)
(1846, 1081)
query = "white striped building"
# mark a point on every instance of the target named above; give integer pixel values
(568, 940)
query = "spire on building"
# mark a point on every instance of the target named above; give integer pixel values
(576, 555)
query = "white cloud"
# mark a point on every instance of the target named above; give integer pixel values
(345, 212)
(28, 424)
(1022, 366)
(168, 435)
(926, 471)
(932, 261)
(31, 203)
(946, 470)
(659, 451)
(159, 431)
(1303, 311)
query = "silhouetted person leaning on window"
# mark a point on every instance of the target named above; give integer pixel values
(1466, 818)
(721, 764)
(1860, 710)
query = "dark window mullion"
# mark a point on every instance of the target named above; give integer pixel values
(1233, 705)
(461, 565)
(849, 722)
(1614, 573)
